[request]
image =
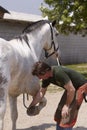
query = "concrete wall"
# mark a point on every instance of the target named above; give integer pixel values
(73, 49)
(9, 30)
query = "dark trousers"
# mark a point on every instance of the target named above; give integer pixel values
(70, 120)
(61, 128)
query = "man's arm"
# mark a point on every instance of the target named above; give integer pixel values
(70, 96)
(38, 97)
(70, 92)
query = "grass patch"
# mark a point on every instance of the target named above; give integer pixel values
(82, 68)
(53, 88)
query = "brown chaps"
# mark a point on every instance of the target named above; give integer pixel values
(70, 120)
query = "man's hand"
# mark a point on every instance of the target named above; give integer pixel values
(65, 111)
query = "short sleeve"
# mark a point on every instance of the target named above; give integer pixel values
(45, 83)
(61, 77)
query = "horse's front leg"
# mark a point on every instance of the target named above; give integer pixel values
(34, 110)
(14, 112)
(3, 99)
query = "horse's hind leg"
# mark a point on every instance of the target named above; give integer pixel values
(14, 112)
(3, 98)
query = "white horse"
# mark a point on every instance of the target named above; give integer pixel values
(17, 58)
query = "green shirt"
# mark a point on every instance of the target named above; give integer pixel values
(62, 75)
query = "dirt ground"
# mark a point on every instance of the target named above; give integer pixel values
(45, 120)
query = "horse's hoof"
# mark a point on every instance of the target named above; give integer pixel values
(32, 111)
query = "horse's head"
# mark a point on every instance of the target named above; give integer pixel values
(45, 35)
(51, 46)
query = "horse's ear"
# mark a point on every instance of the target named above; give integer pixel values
(53, 23)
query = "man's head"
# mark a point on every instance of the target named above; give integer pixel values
(40, 68)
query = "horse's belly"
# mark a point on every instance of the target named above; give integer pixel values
(30, 86)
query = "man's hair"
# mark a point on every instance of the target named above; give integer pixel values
(40, 68)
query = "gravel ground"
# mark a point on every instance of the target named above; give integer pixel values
(45, 120)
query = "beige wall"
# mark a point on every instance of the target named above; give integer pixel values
(10, 29)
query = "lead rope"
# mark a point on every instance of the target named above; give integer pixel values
(24, 100)
(58, 62)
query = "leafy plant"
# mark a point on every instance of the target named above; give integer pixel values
(71, 15)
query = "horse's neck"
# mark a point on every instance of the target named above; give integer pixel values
(37, 41)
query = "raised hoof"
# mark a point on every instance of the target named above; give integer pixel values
(32, 111)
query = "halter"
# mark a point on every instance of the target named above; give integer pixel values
(47, 55)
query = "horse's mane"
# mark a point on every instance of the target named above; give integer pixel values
(32, 26)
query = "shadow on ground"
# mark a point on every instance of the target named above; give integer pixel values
(39, 127)
(46, 126)
(80, 128)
